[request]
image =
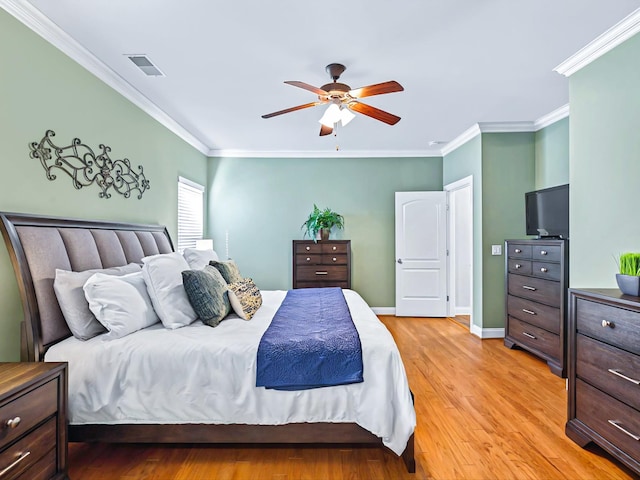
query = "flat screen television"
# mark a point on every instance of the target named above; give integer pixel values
(547, 212)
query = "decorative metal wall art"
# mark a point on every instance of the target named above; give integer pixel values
(85, 168)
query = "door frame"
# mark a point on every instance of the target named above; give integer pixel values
(466, 182)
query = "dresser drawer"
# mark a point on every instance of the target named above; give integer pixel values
(546, 253)
(330, 248)
(322, 284)
(31, 409)
(538, 289)
(309, 259)
(519, 251)
(614, 325)
(598, 410)
(612, 370)
(25, 454)
(335, 259)
(534, 337)
(521, 267)
(322, 273)
(310, 247)
(536, 314)
(546, 270)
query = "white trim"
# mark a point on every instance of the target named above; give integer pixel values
(619, 33)
(462, 311)
(552, 117)
(487, 332)
(191, 183)
(506, 127)
(324, 153)
(461, 139)
(40, 24)
(384, 310)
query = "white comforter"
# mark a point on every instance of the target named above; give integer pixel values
(199, 374)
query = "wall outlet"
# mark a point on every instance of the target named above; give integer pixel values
(496, 249)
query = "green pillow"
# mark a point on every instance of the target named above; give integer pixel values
(228, 269)
(207, 293)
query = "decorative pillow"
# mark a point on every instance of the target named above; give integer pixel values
(245, 298)
(198, 259)
(163, 275)
(121, 304)
(228, 269)
(74, 305)
(207, 292)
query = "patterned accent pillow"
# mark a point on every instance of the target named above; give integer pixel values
(245, 298)
(207, 293)
(228, 269)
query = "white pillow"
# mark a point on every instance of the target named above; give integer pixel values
(121, 304)
(198, 259)
(74, 305)
(163, 275)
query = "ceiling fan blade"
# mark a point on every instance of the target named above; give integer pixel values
(306, 86)
(374, 112)
(324, 130)
(377, 89)
(292, 109)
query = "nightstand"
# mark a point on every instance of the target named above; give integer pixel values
(33, 421)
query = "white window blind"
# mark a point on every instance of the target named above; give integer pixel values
(190, 213)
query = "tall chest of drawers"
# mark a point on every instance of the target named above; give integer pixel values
(604, 372)
(536, 281)
(33, 421)
(321, 264)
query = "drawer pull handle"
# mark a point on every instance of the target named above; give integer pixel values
(308, 259)
(335, 259)
(543, 252)
(607, 323)
(619, 374)
(14, 464)
(527, 287)
(322, 273)
(624, 430)
(334, 248)
(527, 334)
(530, 312)
(518, 266)
(544, 270)
(307, 248)
(13, 422)
(517, 250)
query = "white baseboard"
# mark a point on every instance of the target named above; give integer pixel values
(463, 310)
(487, 332)
(384, 310)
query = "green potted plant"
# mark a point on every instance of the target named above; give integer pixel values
(629, 277)
(321, 221)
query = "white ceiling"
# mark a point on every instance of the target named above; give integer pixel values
(460, 61)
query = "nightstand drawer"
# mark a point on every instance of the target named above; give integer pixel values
(546, 253)
(322, 273)
(26, 453)
(612, 370)
(538, 289)
(614, 325)
(537, 314)
(27, 411)
(537, 338)
(521, 267)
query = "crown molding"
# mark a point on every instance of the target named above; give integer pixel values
(324, 154)
(506, 127)
(461, 139)
(620, 32)
(552, 117)
(40, 24)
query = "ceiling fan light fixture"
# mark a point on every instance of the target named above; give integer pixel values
(331, 116)
(346, 115)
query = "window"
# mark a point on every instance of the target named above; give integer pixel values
(190, 213)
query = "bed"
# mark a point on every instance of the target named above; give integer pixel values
(345, 414)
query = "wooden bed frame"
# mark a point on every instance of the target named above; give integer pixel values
(38, 245)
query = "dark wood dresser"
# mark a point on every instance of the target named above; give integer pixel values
(536, 282)
(33, 421)
(322, 264)
(604, 372)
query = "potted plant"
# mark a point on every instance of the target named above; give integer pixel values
(322, 221)
(629, 277)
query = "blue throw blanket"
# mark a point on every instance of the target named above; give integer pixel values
(311, 342)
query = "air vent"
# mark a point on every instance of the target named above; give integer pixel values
(144, 64)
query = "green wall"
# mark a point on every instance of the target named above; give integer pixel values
(262, 202)
(552, 154)
(40, 89)
(604, 165)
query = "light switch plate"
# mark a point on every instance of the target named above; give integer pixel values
(496, 249)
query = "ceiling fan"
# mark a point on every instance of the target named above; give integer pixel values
(343, 100)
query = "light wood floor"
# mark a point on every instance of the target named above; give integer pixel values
(484, 412)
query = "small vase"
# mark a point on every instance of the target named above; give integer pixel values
(628, 284)
(324, 234)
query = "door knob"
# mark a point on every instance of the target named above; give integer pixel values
(400, 261)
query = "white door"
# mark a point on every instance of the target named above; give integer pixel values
(421, 254)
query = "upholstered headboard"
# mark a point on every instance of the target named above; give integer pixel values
(38, 245)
